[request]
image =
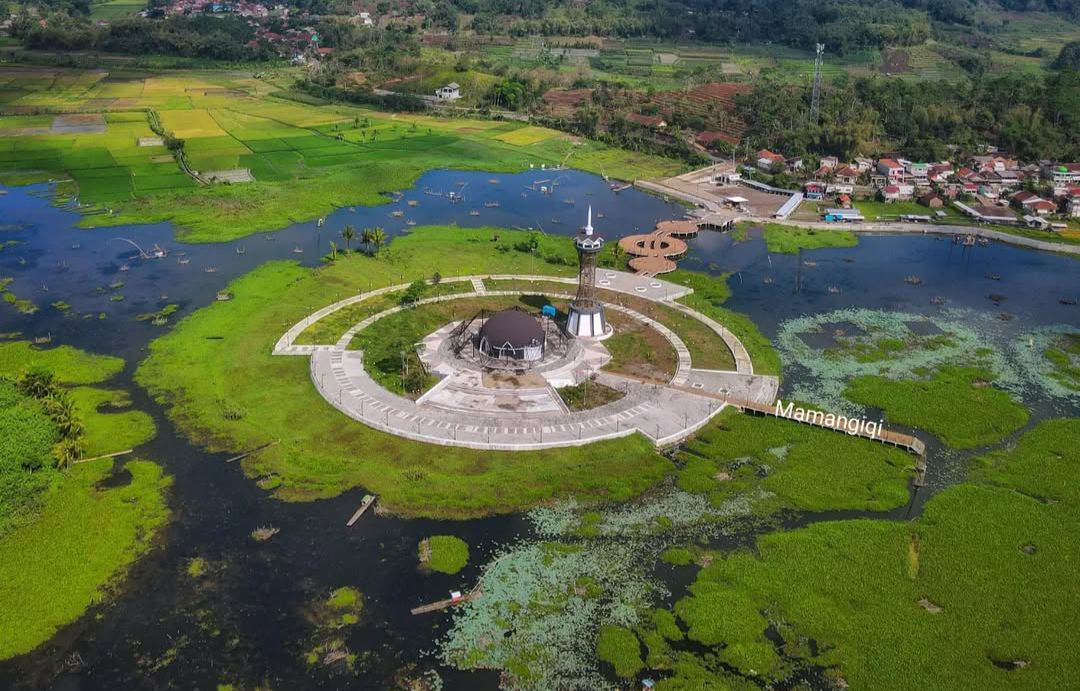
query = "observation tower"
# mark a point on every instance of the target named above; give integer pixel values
(586, 318)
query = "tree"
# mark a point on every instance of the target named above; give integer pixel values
(378, 239)
(348, 234)
(365, 237)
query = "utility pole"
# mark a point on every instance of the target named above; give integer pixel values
(815, 97)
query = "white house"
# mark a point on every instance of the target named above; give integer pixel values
(1073, 207)
(1065, 176)
(450, 92)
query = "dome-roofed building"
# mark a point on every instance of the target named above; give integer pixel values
(512, 334)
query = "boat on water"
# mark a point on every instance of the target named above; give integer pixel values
(297, 250)
(491, 205)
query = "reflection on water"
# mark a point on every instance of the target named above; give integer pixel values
(243, 623)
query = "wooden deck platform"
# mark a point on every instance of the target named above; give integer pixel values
(369, 499)
(443, 604)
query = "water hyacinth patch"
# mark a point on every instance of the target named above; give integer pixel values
(888, 345)
(1050, 357)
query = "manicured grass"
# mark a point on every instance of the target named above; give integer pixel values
(53, 569)
(801, 466)
(957, 405)
(449, 554)
(640, 351)
(991, 554)
(619, 647)
(789, 239)
(588, 395)
(384, 341)
(216, 399)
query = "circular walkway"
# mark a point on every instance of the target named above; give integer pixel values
(665, 413)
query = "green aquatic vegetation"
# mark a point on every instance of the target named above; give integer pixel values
(116, 298)
(957, 405)
(83, 538)
(61, 306)
(529, 616)
(197, 567)
(786, 464)
(678, 556)
(321, 452)
(158, 317)
(985, 576)
(109, 427)
(1050, 356)
(445, 553)
(69, 365)
(789, 239)
(619, 647)
(877, 352)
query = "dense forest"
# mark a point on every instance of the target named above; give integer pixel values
(1032, 118)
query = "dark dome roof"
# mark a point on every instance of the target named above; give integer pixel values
(512, 326)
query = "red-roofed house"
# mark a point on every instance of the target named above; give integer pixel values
(846, 175)
(1033, 203)
(891, 170)
(646, 121)
(890, 192)
(711, 139)
(767, 159)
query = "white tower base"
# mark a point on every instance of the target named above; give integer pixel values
(587, 323)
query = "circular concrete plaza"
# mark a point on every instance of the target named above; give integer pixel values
(518, 409)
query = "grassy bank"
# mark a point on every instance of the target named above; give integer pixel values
(790, 239)
(226, 391)
(983, 582)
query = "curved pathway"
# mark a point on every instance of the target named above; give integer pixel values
(666, 414)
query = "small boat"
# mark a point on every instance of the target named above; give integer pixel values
(460, 184)
(937, 301)
(568, 201)
(491, 205)
(269, 238)
(474, 212)
(125, 267)
(493, 181)
(183, 262)
(397, 214)
(76, 246)
(993, 277)
(833, 290)
(768, 280)
(297, 250)
(413, 202)
(1067, 301)
(22, 261)
(410, 222)
(599, 215)
(913, 280)
(241, 250)
(556, 221)
(809, 264)
(320, 223)
(223, 296)
(352, 210)
(210, 270)
(616, 188)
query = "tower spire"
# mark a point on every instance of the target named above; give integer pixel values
(588, 225)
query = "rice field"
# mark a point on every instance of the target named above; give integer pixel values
(305, 159)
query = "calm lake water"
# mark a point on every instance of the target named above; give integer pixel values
(245, 623)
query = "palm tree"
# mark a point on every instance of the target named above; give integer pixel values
(378, 239)
(348, 234)
(365, 237)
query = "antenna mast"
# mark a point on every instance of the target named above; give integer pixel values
(815, 98)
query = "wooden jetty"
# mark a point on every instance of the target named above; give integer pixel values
(255, 450)
(369, 499)
(907, 442)
(443, 604)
